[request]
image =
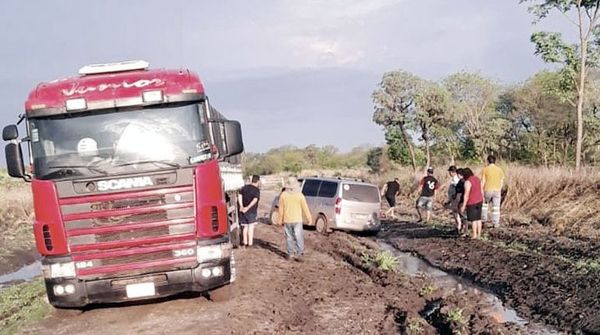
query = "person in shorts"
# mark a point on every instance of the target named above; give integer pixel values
(429, 186)
(473, 202)
(390, 191)
(248, 209)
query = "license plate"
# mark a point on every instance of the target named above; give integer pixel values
(140, 290)
(361, 216)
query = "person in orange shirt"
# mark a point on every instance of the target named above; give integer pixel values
(293, 212)
(492, 180)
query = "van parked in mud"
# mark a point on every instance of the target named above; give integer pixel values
(339, 204)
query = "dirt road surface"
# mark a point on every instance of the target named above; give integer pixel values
(273, 296)
(332, 292)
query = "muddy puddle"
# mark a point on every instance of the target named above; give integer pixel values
(25, 273)
(450, 284)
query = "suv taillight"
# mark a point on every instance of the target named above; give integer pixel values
(338, 205)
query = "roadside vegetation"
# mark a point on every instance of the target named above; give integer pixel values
(22, 304)
(16, 216)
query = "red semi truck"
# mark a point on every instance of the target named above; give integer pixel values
(134, 182)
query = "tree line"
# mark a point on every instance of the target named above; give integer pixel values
(294, 159)
(553, 118)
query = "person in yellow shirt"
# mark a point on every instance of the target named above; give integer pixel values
(492, 180)
(293, 213)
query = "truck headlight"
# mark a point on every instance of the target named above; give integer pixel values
(59, 270)
(212, 252)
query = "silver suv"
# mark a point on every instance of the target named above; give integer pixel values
(339, 204)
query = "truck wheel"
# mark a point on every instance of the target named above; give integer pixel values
(321, 224)
(274, 217)
(221, 294)
(236, 237)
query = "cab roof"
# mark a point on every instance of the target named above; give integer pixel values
(112, 89)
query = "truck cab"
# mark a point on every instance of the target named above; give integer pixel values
(129, 197)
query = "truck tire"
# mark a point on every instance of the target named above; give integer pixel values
(321, 225)
(221, 294)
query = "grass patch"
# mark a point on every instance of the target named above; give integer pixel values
(386, 261)
(455, 315)
(589, 265)
(383, 260)
(426, 290)
(518, 246)
(21, 305)
(485, 237)
(415, 326)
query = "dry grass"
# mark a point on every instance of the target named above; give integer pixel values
(566, 202)
(16, 216)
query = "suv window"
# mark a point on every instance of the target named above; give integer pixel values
(362, 193)
(328, 189)
(310, 187)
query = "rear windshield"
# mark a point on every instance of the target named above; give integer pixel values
(358, 192)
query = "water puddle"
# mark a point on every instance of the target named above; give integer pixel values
(26, 273)
(492, 305)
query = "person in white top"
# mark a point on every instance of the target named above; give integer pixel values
(452, 202)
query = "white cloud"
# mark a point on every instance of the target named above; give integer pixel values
(330, 10)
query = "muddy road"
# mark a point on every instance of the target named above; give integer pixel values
(553, 280)
(334, 291)
(339, 288)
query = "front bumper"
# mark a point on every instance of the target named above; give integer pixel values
(166, 283)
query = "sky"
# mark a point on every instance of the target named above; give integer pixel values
(294, 72)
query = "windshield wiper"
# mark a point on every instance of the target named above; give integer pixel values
(70, 171)
(155, 162)
(68, 168)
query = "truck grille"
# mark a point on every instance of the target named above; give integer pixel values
(131, 232)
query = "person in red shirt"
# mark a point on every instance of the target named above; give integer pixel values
(473, 201)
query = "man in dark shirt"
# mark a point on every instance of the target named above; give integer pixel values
(457, 202)
(390, 191)
(248, 206)
(428, 187)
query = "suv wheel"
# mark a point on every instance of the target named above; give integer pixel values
(274, 217)
(321, 224)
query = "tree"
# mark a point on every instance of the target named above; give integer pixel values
(432, 104)
(377, 160)
(394, 105)
(576, 58)
(541, 118)
(473, 100)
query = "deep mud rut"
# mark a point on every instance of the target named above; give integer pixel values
(543, 277)
(332, 292)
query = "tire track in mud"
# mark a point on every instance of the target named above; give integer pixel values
(409, 310)
(539, 286)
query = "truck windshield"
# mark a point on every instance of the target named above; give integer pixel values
(111, 142)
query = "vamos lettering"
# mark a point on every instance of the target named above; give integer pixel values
(125, 183)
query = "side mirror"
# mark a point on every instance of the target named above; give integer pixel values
(14, 160)
(233, 138)
(228, 137)
(10, 133)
